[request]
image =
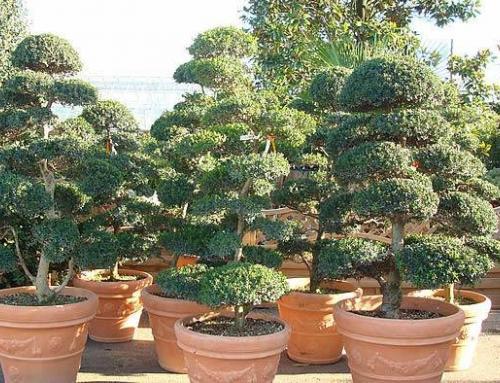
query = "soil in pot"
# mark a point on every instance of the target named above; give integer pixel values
(120, 304)
(476, 308)
(314, 338)
(223, 326)
(44, 344)
(397, 350)
(163, 312)
(29, 299)
(216, 358)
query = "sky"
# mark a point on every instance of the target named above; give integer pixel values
(149, 37)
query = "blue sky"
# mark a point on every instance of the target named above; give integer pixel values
(149, 37)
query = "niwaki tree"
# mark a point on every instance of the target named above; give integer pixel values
(39, 184)
(396, 159)
(123, 221)
(225, 148)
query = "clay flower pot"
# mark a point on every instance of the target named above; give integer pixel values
(314, 338)
(212, 358)
(398, 350)
(163, 313)
(463, 350)
(185, 260)
(44, 344)
(120, 306)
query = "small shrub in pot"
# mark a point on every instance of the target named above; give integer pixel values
(222, 346)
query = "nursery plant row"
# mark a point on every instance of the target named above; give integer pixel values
(378, 144)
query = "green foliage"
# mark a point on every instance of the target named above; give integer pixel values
(233, 109)
(175, 190)
(223, 41)
(8, 261)
(373, 161)
(21, 196)
(288, 32)
(449, 162)
(74, 92)
(28, 88)
(46, 53)
(352, 258)
(494, 176)
(432, 261)
(187, 114)
(12, 30)
(397, 198)
(110, 115)
(465, 213)
(69, 199)
(414, 127)
(241, 284)
(255, 167)
(57, 238)
(181, 283)
(326, 86)
(275, 229)
(105, 180)
(390, 83)
(188, 239)
(221, 247)
(259, 255)
(485, 246)
(97, 250)
(218, 73)
(481, 188)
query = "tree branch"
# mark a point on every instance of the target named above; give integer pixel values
(69, 276)
(19, 255)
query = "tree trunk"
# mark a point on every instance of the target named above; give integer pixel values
(114, 272)
(43, 291)
(391, 289)
(314, 281)
(449, 293)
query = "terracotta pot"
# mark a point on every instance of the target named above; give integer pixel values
(163, 313)
(463, 350)
(212, 358)
(185, 260)
(44, 344)
(397, 350)
(120, 306)
(314, 338)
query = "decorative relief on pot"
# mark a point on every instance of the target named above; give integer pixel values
(55, 343)
(199, 372)
(430, 363)
(15, 375)
(469, 333)
(16, 346)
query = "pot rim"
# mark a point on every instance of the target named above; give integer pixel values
(338, 307)
(147, 277)
(323, 299)
(48, 314)
(180, 324)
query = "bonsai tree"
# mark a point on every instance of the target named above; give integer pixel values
(39, 191)
(124, 221)
(224, 151)
(240, 286)
(396, 159)
(317, 195)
